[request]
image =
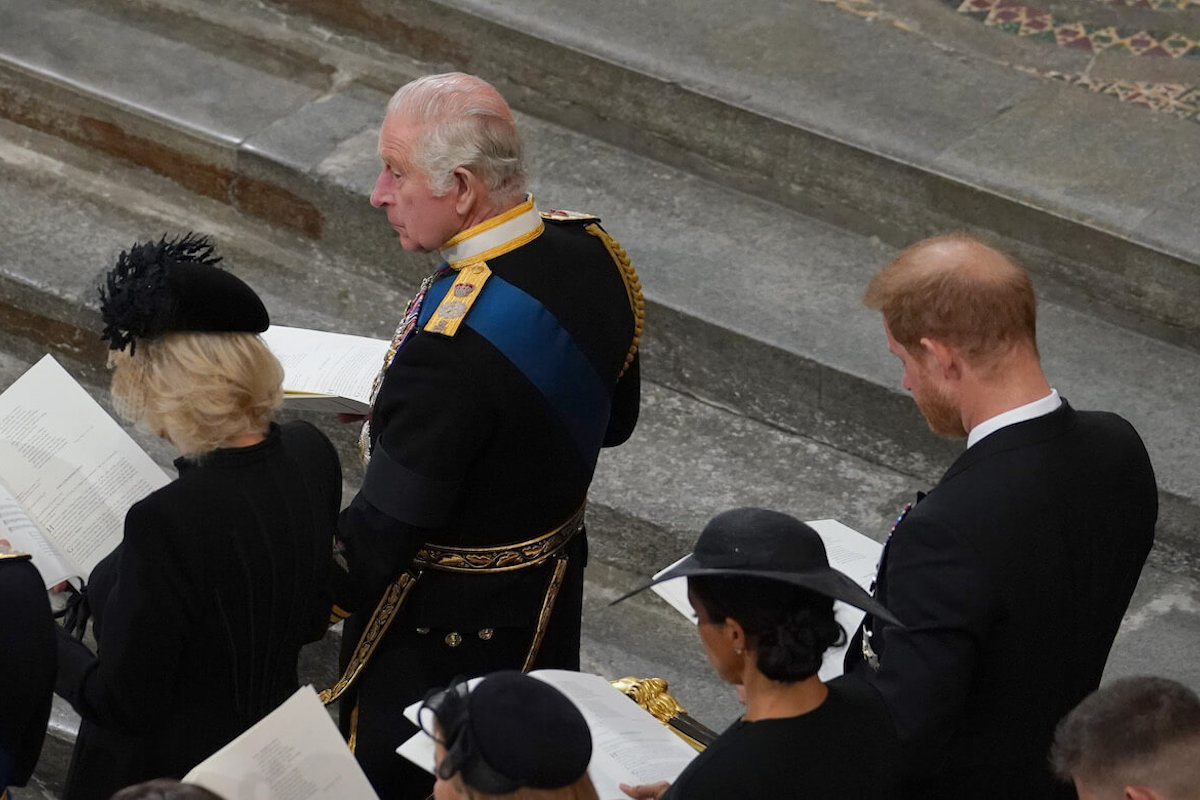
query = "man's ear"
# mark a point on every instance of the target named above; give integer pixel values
(1141, 793)
(943, 355)
(468, 190)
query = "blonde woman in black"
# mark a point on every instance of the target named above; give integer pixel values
(222, 575)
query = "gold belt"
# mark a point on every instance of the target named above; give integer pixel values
(499, 558)
(444, 558)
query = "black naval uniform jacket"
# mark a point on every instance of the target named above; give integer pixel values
(201, 611)
(1012, 576)
(27, 659)
(467, 451)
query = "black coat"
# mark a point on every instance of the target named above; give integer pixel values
(27, 661)
(844, 749)
(467, 451)
(200, 613)
(1012, 577)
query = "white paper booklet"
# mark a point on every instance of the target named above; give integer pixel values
(848, 551)
(68, 473)
(293, 753)
(628, 744)
(329, 372)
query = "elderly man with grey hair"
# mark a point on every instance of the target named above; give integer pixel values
(1134, 739)
(513, 365)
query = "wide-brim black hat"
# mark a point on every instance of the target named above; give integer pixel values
(171, 286)
(758, 543)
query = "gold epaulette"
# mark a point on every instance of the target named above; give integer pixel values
(15, 557)
(562, 215)
(633, 288)
(459, 298)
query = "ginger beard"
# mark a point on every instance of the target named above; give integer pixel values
(941, 413)
(923, 379)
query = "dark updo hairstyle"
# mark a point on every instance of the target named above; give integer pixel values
(787, 626)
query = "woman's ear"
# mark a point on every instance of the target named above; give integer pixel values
(736, 635)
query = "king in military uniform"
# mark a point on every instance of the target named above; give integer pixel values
(513, 365)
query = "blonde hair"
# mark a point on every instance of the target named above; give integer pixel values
(199, 390)
(581, 789)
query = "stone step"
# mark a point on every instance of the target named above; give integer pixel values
(766, 383)
(236, 136)
(699, 454)
(752, 305)
(689, 458)
(915, 125)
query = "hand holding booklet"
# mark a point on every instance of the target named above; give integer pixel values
(68, 473)
(628, 744)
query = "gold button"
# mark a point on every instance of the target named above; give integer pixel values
(422, 631)
(485, 633)
(453, 639)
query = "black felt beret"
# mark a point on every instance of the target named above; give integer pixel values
(514, 731)
(174, 285)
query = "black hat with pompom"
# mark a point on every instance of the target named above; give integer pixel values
(173, 285)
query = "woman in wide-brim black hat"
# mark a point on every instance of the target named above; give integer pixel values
(763, 592)
(222, 574)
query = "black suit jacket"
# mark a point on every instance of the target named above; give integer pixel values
(1012, 576)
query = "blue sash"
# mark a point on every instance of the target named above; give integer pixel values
(543, 351)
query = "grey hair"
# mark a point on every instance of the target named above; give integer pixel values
(466, 123)
(1140, 731)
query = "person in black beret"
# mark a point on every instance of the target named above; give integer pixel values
(761, 585)
(512, 736)
(222, 575)
(26, 666)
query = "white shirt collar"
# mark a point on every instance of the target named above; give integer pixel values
(494, 236)
(1038, 408)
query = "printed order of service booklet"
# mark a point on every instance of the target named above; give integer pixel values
(327, 372)
(293, 753)
(68, 474)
